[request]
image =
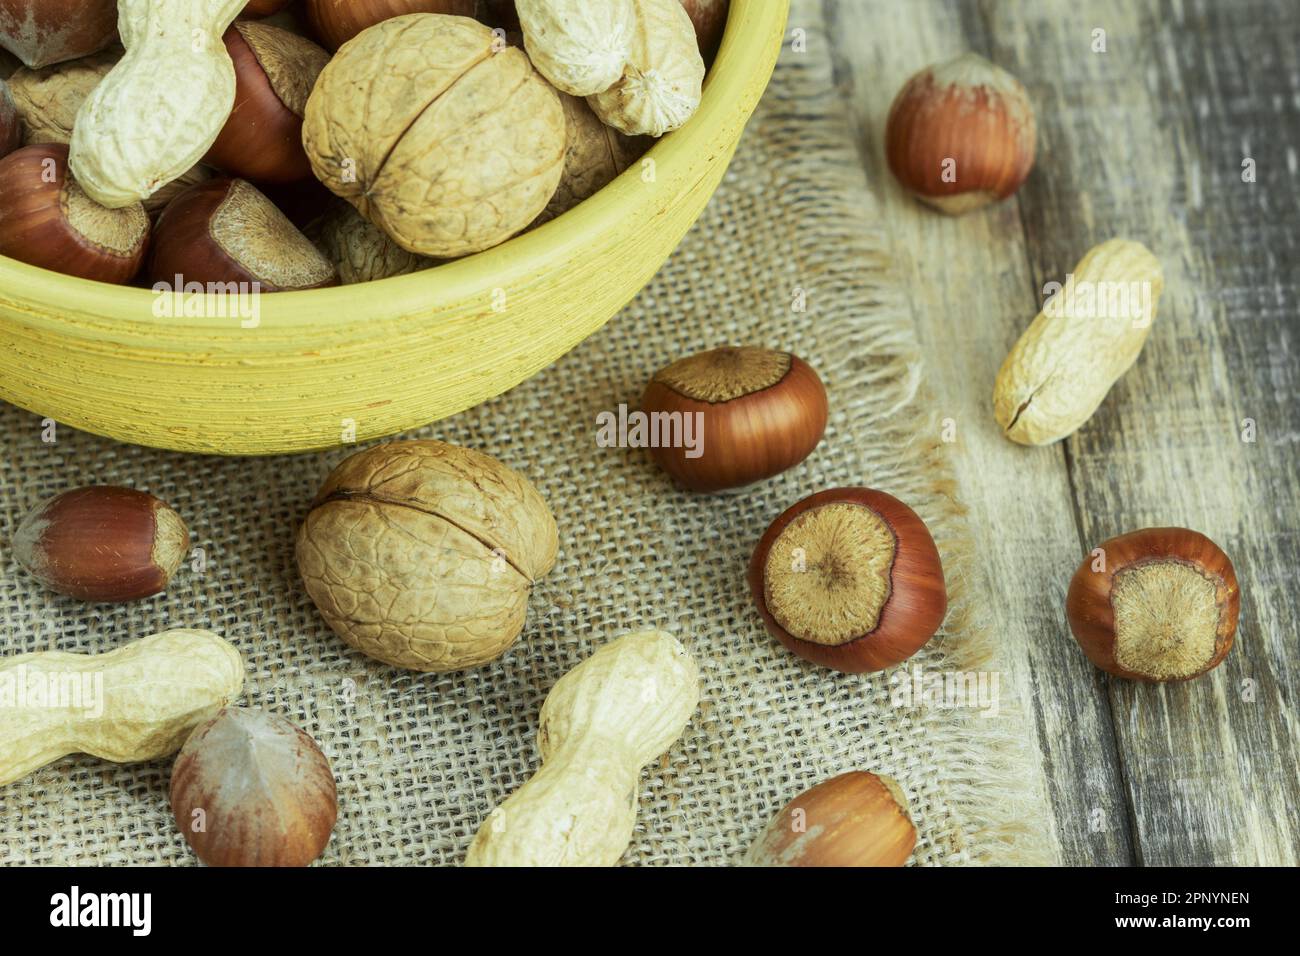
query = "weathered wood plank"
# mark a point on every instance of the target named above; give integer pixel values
(972, 293)
(1147, 140)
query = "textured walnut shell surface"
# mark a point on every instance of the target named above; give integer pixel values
(595, 154)
(422, 554)
(448, 144)
(48, 98)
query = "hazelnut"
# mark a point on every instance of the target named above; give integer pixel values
(251, 789)
(360, 250)
(1155, 605)
(275, 71)
(225, 231)
(763, 411)
(855, 819)
(264, 8)
(961, 135)
(457, 146)
(338, 21)
(41, 32)
(850, 579)
(422, 554)
(709, 17)
(102, 543)
(47, 220)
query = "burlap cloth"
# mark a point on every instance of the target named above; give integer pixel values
(422, 759)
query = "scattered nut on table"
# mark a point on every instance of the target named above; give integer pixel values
(851, 579)
(251, 789)
(749, 413)
(129, 705)
(601, 723)
(102, 543)
(1159, 604)
(1087, 335)
(854, 819)
(422, 554)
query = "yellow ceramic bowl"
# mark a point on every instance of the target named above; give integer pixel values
(382, 357)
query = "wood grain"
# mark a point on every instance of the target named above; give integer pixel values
(1145, 140)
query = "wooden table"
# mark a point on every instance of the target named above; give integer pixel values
(1146, 140)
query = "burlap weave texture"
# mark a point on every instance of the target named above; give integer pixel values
(786, 255)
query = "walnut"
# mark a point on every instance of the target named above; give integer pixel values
(422, 554)
(360, 250)
(596, 153)
(437, 133)
(48, 98)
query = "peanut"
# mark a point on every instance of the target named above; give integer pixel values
(601, 723)
(661, 84)
(159, 110)
(580, 47)
(1084, 339)
(136, 703)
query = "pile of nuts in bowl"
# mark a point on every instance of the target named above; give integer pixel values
(304, 145)
(422, 554)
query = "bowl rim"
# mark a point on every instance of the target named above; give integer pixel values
(750, 24)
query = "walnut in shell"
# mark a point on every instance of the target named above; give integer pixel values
(422, 554)
(48, 98)
(595, 155)
(662, 81)
(447, 144)
(360, 250)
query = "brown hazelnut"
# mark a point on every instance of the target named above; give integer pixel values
(41, 32)
(275, 71)
(961, 135)
(47, 220)
(264, 8)
(422, 554)
(850, 579)
(762, 411)
(251, 789)
(102, 543)
(855, 819)
(1159, 604)
(709, 17)
(223, 231)
(338, 21)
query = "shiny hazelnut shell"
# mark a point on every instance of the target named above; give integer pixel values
(46, 220)
(1091, 612)
(748, 438)
(917, 601)
(264, 8)
(335, 22)
(854, 819)
(970, 111)
(262, 139)
(223, 231)
(44, 32)
(102, 543)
